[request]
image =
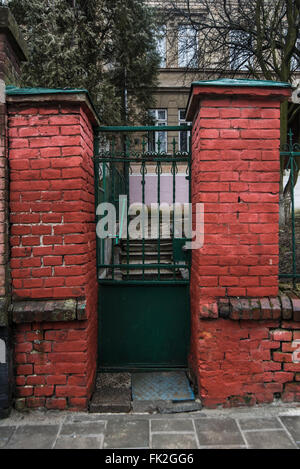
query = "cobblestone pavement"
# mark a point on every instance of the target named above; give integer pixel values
(265, 427)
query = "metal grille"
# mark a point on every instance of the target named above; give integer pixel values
(165, 386)
(289, 255)
(133, 166)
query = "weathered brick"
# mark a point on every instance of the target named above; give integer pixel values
(281, 335)
(296, 309)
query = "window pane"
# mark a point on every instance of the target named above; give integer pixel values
(240, 50)
(161, 141)
(161, 115)
(187, 46)
(295, 62)
(184, 136)
(161, 46)
(151, 142)
(157, 141)
(184, 141)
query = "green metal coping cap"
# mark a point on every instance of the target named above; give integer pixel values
(242, 82)
(14, 91)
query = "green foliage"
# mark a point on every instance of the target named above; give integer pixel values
(105, 46)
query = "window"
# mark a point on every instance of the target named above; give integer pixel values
(184, 136)
(161, 46)
(240, 50)
(187, 46)
(295, 62)
(157, 141)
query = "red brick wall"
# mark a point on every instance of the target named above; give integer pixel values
(236, 172)
(236, 175)
(12, 53)
(247, 362)
(53, 247)
(53, 364)
(4, 222)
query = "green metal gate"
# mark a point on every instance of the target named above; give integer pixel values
(144, 307)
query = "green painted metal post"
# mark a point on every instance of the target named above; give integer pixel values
(292, 151)
(97, 198)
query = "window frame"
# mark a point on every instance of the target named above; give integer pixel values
(161, 45)
(185, 57)
(295, 61)
(158, 122)
(182, 121)
(236, 61)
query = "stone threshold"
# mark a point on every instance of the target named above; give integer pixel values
(114, 395)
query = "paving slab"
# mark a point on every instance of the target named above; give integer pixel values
(212, 432)
(127, 434)
(217, 447)
(265, 427)
(33, 437)
(259, 423)
(178, 425)
(83, 429)
(64, 442)
(272, 439)
(34, 417)
(5, 434)
(174, 441)
(83, 417)
(293, 426)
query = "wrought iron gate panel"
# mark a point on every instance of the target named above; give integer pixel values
(121, 163)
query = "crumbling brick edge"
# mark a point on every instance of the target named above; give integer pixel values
(52, 310)
(284, 306)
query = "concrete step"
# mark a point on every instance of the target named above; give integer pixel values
(150, 255)
(113, 393)
(150, 247)
(136, 260)
(150, 271)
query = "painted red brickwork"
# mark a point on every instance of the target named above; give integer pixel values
(4, 222)
(53, 239)
(236, 176)
(248, 362)
(54, 363)
(12, 53)
(235, 167)
(53, 246)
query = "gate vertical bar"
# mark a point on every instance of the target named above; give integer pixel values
(143, 218)
(158, 201)
(293, 220)
(174, 200)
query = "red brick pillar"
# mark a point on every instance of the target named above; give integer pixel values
(53, 247)
(235, 174)
(12, 53)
